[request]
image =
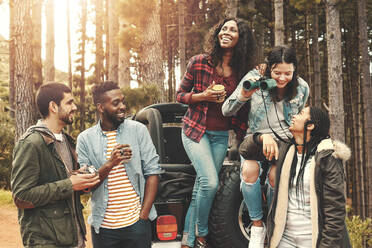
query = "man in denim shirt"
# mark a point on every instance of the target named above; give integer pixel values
(125, 157)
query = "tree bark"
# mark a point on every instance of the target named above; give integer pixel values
(365, 80)
(151, 62)
(336, 103)
(307, 43)
(99, 41)
(11, 58)
(69, 47)
(124, 62)
(279, 25)
(170, 72)
(25, 110)
(82, 66)
(317, 74)
(50, 43)
(36, 44)
(181, 33)
(113, 41)
(107, 44)
(232, 8)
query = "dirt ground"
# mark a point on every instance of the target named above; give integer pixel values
(9, 232)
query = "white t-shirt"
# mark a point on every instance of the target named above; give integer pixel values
(298, 212)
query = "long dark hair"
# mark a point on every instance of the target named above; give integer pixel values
(244, 52)
(283, 54)
(320, 119)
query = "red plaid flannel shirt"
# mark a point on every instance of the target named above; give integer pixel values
(197, 78)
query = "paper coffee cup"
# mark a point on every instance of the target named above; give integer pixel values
(219, 88)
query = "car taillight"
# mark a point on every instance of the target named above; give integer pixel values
(166, 227)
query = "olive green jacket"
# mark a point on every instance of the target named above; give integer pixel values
(43, 193)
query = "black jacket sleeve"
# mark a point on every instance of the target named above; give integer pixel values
(333, 202)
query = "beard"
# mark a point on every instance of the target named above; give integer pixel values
(111, 117)
(67, 118)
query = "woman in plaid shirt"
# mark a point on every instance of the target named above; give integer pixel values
(230, 54)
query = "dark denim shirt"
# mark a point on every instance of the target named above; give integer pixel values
(91, 149)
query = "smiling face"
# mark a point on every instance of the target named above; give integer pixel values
(228, 35)
(66, 109)
(112, 108)
(299, 120)
(282, 73)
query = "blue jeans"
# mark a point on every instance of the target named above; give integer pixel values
(137, 235)
(207, 157)
(252, 195)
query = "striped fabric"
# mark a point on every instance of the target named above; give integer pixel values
(123, 206)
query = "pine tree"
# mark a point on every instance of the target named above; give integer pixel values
(36, 44)
(336, 103)
(25, 109)
(50, 43)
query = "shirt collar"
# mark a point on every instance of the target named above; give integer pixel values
(119, 129)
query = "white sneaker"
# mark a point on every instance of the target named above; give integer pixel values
(258, 234)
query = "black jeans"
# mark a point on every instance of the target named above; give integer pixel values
(137, 235)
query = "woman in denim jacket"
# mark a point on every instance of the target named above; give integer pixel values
(269, 111)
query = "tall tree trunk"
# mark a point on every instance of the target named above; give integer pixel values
(231, 8)
(151, 61)
(99, 42)
(113, 41)
(11, 58)
(69, 127)
(279, 25)
(82, 67)
(336, 103)
(124, 62)
(107, 34)
(50, 43)
(170, 72)
(25, 111)
(181, 33)
(307, 44)
(365, 80)
(317, 92)
(36, 44)
(69, 46)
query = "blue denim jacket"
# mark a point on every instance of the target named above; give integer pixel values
(91, 149)
(257, 112)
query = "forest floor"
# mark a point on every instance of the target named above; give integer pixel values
(9, 232)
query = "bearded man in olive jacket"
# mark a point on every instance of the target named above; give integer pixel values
(45, 178)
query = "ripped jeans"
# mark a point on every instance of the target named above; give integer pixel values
(252, 194)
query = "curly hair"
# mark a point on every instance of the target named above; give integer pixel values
(99, 89)
(283, 54)
(244, 52)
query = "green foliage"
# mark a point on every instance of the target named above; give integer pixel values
(360, 231)
(140, 97)
(90, 110)
(6, 139)
(130, 37)
(4, 60)
(5, 197)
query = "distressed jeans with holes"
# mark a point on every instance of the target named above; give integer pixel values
(252, 194)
